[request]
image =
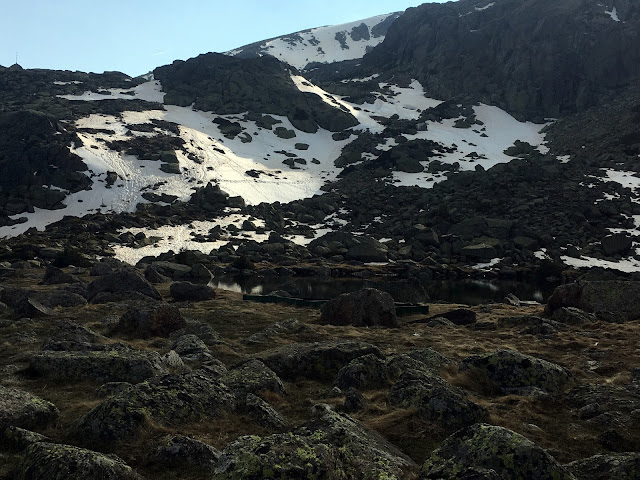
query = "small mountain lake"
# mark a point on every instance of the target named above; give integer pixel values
(466, 291)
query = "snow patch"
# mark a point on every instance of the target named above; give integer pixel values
(150, 91)
(613, 14)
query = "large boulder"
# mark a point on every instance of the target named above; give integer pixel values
(366, 372)
(166, 400)
(612, 300)
(183, 452)
(513, 372)
(23, 409)
(121, 284)
(367, 308)
(191, 292)
(151, 321)
(111, 365)
(330, 446)
(252, 377)
(621, 466)
(435, 400)
(50, 461)
(496, 453)
(617, 244)
(320, 361)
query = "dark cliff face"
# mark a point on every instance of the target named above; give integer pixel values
(226, 85)
(533, 58)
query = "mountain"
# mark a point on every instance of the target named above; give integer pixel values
(307, 48)
(535, 59)
(377, 150)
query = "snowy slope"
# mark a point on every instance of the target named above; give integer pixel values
(325, 44)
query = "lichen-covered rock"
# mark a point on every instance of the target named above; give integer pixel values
(191, 292)
(103, 366)
(484, 447)
(367, 308)
(262, 413)
(16, 438)
(354, 401)
(23, 409)
(279, 328)
(55, 276)
(330, 447)
(435, 400)
(366, 372)
(611, 300)
(166, 400)
(252, 377)
(49, 461)
(621, 466)
(320, 361)
(426, 359)
(513, 372)
(181, 451)
(122, 282)
(573, 316)
(151, 321)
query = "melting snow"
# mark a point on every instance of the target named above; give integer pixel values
(613, 14)
(150, 91)
(480, 9)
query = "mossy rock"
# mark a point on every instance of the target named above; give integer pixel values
(618, 466)
(168, 400)
(103, 366)
(514, 372)
(320, 361)
(49, 461)
(331, 446)
(23, 409)
(483, 448)
(253, 377)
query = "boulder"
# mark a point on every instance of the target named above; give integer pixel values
(367, 308)
(484, 448)
(354, 401)
(153, 321)
(103, 366)
(366, 372)
(166, 400)
(572, 316)
(368, 250)
(252, 377)
(23, 409)
(50, 461)
(191, 347)
(427, 360)
(262, 413)
(435, 400)
(479, 251)
(123, 282)
(191, 292)
(514, 372)
(621, 466)
(405, 290)
(55, 276)
(180, 451)
(16, 438)
(611, 300)
(617, 244)
(330, 446)
(319, 361)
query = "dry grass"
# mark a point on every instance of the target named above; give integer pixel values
(600, 353)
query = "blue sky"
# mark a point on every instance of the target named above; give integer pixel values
(135, 36)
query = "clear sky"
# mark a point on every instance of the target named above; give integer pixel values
(135, 36)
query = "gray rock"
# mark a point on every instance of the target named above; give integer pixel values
(252, 377)
(180, 451)
(102, 366)
(621, 466)
(25, 410)
(366, 372)
(157, 320)
(617, 244)
(55, 276)
(165, 400)
(615, 300)
(512, 371)
(320, 361)
(49, 461)
(122, 282)
(16, 438)
(354, 401)
(331, 446)
(263, 414)
(573, 316)
(191, 292)
(486, 447)
(367, 308)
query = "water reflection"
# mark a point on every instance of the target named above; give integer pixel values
(468, 291)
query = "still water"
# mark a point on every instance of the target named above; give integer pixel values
(469, 292)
